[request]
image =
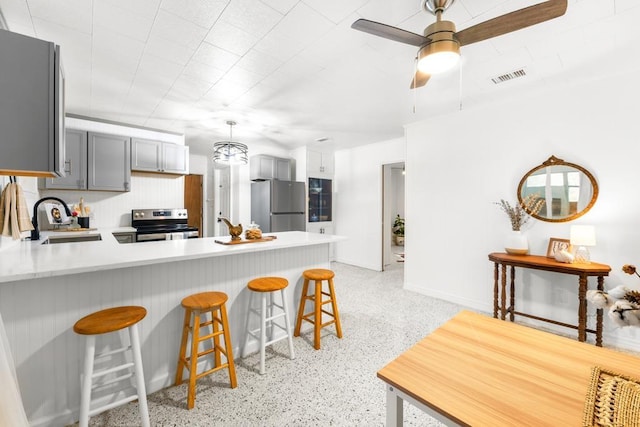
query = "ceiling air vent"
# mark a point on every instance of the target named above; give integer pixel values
(509, 76)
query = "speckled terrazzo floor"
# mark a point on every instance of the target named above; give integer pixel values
(336, 385)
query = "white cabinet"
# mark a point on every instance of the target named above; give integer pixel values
(94, 161)
(319, 163)
(263, 167)
(324, 228)
(31, 107)
(157, 156)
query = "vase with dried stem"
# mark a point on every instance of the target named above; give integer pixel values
(519, 214)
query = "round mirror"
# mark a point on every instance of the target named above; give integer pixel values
(568, 190)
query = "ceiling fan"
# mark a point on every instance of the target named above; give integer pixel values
(439, 47)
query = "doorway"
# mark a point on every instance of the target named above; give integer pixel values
(222, 200)
(193, 201)
(393, 176)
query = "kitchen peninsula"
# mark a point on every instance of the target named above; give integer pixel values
(45, 289)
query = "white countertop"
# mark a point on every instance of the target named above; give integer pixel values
(30, 260)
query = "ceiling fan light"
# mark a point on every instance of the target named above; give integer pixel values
(439, 56)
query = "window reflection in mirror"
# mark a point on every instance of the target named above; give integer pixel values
(569, 190)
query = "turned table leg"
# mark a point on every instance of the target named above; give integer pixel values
(582, 308)
(496, 275)
(503, 297)
(512, 296)
(599, 315)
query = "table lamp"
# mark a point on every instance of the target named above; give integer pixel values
(583, 236)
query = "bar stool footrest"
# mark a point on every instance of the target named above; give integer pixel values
(112, 405)
(212, 370)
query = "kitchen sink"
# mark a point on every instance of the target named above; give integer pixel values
(52, 240)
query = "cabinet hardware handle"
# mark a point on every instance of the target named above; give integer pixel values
(68, 162)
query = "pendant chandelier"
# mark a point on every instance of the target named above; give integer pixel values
(229, 152)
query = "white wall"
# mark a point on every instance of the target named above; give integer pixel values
(459, 164)
(113, 209)
(358, 201)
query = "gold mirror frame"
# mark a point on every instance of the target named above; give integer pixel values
(550, 163)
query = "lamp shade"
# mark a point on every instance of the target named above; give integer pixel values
(439, 57)
(583, 235)
(230, 152)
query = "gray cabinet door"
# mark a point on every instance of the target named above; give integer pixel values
(175, 158)
(75, 163)
(125, 237)
(109, 162)
(146, 155)
(261, 167)
(265, 167)
(157, 156)
(29, 145)
(282, 169)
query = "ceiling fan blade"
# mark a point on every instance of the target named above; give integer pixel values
(420, 79)
(389, 32)
(512, 21)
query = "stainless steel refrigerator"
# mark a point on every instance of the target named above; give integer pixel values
(278, 205)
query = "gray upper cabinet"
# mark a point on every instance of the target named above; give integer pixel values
(95, 161)
(75, 163)
(157, 156)
(265, 167)
(175, 158)
(31, 107)
(109, 162)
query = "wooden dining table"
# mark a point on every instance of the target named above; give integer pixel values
(475, 370)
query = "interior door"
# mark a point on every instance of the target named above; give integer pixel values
(193, 200)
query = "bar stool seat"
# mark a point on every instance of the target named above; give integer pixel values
(267, 286)
(195, 306)
(104, 322)
(318, 275)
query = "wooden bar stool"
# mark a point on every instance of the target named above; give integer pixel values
(266, 286)
(315, 316)
(103, 322)
(195, 306)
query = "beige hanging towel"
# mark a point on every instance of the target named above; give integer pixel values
(24, 221)
(15, 216)
(6, 205)
(2, 211)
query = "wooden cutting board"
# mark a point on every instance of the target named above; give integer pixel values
(240, 242)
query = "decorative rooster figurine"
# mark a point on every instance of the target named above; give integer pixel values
(234, 230)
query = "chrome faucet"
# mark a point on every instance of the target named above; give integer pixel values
(35, 233)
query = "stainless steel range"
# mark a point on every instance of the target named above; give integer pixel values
(161, 224)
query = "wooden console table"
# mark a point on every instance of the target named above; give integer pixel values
(479, 371)
(583, 271)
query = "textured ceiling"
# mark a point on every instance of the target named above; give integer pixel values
(290, 72)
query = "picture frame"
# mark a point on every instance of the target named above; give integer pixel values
(56, 214)
(557, 244)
